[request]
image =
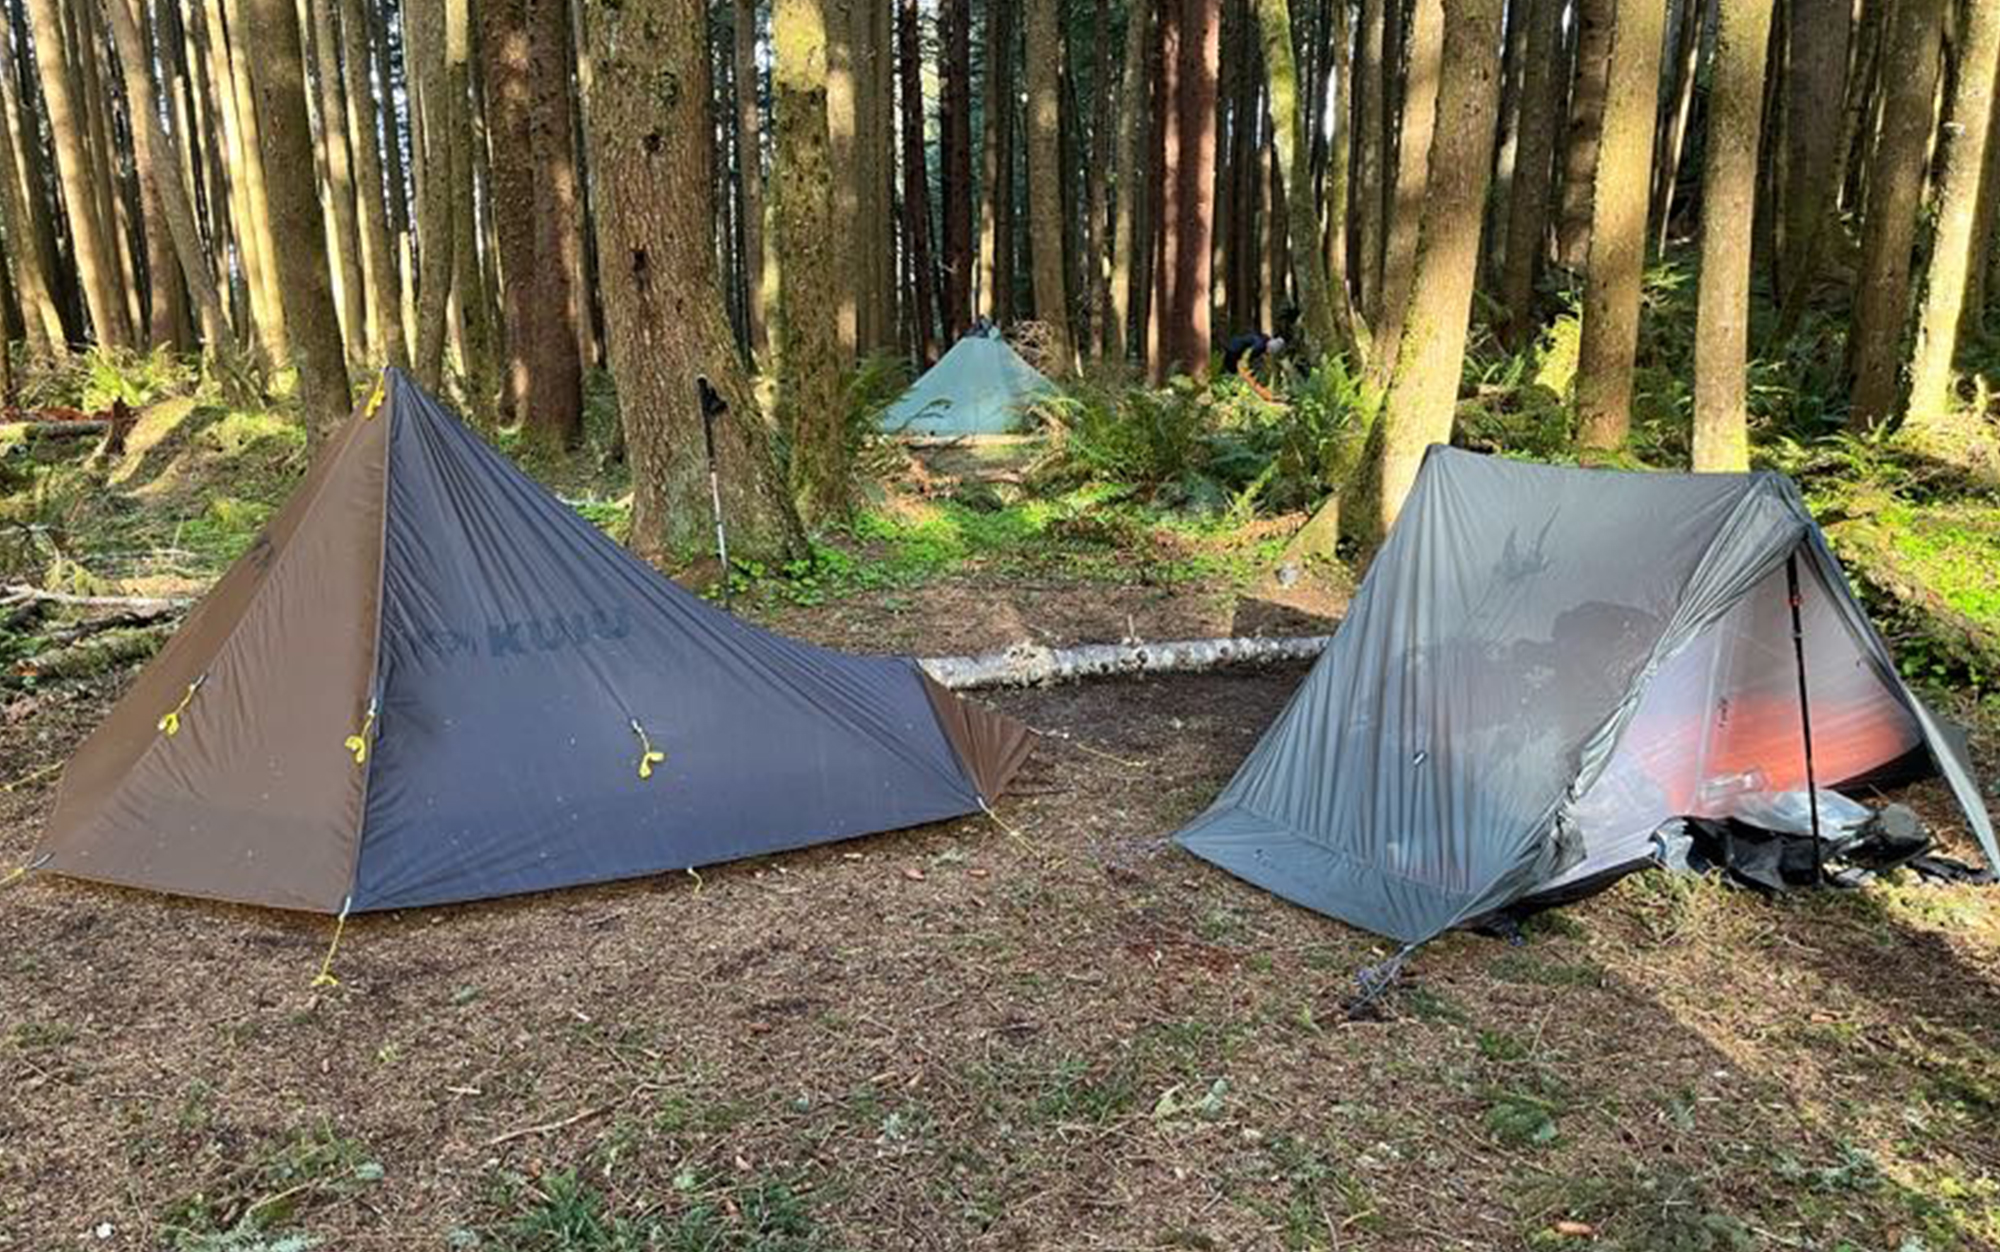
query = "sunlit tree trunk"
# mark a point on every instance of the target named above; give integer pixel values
(278, 72)
(1369, 157)
(1292, 120)
(42, 323)
(842, 151)
(1895, 197)
(262, 262)
(1423, 392)
(663, 303)
(93, 247)
(120, 210)
(916, 217)
(424, 48)
(384, 285)
(1618, 234)
(1425, 44)
(1103, 145)
(810, 407)
(1728, 198)
(1934, 420)
(1589, 92)
(343, 230)
(155, 150)
(750, 189)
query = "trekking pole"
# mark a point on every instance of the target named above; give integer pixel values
(712, 407)
(1805, 713)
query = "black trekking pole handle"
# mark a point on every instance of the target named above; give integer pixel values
(712, 407)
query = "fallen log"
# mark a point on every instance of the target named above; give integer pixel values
(21, 593)
(64, 428)
(1026, 664)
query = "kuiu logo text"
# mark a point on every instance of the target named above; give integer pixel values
(527, 636)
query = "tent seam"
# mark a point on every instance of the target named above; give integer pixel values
(373, 688)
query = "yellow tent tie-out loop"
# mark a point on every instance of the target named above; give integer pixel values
(375, 400)
(170, 721)
(357, 743)
(648, 755)
(325, 977)
(19, 872)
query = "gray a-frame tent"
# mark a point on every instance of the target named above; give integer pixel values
(1542, 666)
(429, 681)
(980, 387)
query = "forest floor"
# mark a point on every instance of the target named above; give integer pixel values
(1060, 1033)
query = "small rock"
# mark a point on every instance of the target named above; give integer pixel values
(914, 874)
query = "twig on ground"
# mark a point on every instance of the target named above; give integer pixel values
(18, 593)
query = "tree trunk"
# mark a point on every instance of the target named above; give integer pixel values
(1534, 157)
(1350, 327)
(810, 404)
(1815, 71)
(1618, 228)
(478, 348)
(1192, 213)
(1935, 421)
(750, 191)
(523, 45)
(118, 205)
(1292, 121)
(1895, 198)
(41, 318)
(278, 72)
(1096, 253)
(1588, 95)
(649, 146)
(1423, 393)
(94, 248)
(1728, 198)
(1507, 158)
(385, 300)
(1978, 281)
(1679, 104)
(1044, 62)
(166, 314)
(430, 144)
(916, 184)
(1413, 152)
(1126, 271)
(155, 150)
(344, 232)
(1370, 135)
(955, 126)
(841, 151)
(265, 269)
(996, 275)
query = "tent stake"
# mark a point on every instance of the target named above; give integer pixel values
(1805, 712)
(712, 407)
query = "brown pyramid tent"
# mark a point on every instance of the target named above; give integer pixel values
(429, 681)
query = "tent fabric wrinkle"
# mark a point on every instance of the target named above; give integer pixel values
(1541, 665)
(539, 708)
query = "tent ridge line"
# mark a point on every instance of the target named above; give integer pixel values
(372, 690)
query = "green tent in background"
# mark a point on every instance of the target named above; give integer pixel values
(980, 387)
